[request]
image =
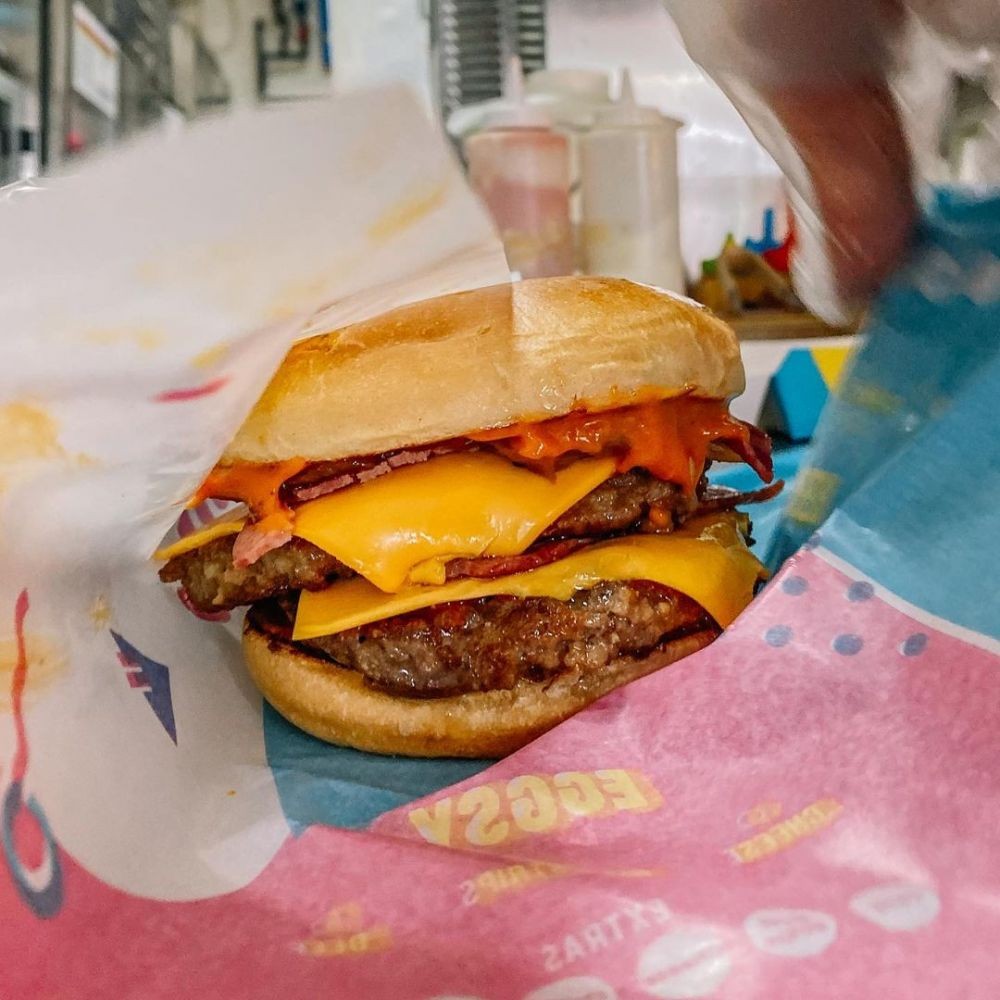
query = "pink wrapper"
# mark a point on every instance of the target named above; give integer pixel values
(797, 811)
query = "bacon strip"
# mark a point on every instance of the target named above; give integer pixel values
(755, 450)
(720, 498)
(323, 478)
(252, 543)
(490, 567)
(713, 499)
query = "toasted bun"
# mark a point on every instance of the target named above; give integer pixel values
(336, 705)
(486, 358)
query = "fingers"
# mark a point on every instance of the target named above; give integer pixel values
(853, 151)
(816, 70)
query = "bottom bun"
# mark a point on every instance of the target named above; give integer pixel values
(336, 704)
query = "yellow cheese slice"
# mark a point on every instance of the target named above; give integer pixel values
(420, 516)
(456, 505)
(707, 560)
(229, 523)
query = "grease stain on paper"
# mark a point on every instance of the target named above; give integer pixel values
(47, 662)
(408, 211)
(143, 339)
(100, 613)
(210, 357)
(28, 432)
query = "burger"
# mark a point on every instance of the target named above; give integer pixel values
(461, 522)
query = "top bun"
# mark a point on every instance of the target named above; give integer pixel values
(487, 358)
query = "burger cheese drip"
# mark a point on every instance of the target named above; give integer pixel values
(258, 486)
(670, 437)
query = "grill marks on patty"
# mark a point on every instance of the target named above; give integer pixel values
(494, 642)
(632, 501)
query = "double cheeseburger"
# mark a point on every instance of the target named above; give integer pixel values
(465, 520)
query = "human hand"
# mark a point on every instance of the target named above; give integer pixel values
(814, 82)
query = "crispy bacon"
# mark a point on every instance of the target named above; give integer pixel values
(490, 567)
(252, 543)
(744, 443)
(733, 451)
(755, 451)
(719, 498)
(323, 478)
(713, 499)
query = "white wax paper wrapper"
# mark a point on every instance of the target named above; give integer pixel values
(146, 302)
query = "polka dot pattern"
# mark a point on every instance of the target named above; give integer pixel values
(854, 628)
(848, 644)
(860, 590)
(914, 645)
(778, 636)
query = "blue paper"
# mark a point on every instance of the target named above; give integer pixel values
(934, 331)
(918, 528)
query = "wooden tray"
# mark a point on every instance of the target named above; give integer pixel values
(775, 324)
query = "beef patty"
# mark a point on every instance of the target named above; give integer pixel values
(632, 501)
(212, 582)
(494, 642)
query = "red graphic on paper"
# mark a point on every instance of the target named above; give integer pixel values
(17, 683)
(192, 392)
(29, 849)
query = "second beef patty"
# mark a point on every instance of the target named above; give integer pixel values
(494, 642)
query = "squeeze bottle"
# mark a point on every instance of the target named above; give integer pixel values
(520, 167)
(630, 221)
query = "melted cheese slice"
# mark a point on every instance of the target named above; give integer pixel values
(453, 506)
(708, 560)
(230, 523)
(416, 518)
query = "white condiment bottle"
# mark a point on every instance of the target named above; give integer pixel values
(630, 215)
(520, 166)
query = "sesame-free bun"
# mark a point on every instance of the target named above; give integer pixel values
(336, 705)
(475, 360)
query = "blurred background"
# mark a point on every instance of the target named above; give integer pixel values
(79, 74)
(592, 138)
